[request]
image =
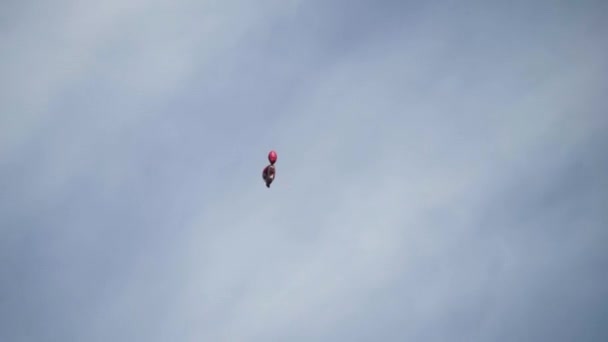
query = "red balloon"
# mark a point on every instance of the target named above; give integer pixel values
(272, 157)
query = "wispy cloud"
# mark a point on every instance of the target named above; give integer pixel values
(441, 173)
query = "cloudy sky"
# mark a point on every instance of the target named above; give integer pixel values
(442, 171)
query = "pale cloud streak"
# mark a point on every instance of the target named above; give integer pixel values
(440, 177)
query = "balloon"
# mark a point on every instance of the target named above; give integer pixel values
(272, 157)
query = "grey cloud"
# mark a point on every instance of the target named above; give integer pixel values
(441, 172)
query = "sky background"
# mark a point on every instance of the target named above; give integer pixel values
(442, 171)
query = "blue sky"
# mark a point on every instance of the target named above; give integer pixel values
(441, 173)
